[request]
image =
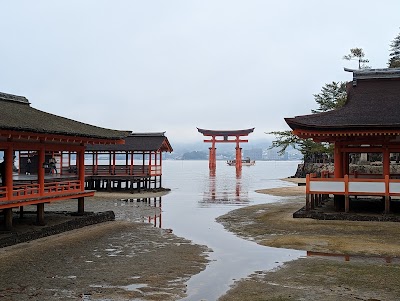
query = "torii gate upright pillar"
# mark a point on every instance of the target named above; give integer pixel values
(238, 154)
(237, 134)
(212, 158)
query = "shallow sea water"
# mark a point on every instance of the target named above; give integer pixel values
(198, 198)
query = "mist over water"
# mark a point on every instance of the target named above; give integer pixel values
(197, 198)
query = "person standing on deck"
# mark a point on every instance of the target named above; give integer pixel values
(52, 165)
(28, 166)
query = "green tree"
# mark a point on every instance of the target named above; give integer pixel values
(357, 54)
(332, 96)
(394, 56)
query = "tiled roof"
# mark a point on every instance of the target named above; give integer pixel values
(17, 115)
(372, 103)
(138, 142)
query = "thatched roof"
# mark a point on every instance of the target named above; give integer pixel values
(373, 102)
(138, 142)
(17, 115)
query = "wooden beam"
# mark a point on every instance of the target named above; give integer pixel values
(40, 215)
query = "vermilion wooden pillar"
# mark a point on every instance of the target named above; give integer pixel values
(386, 161)
(131, 167)
(160, 166)
(41, 170)
(212, 159)
(149, 171)
(346, 163)
(9, 163)
(81, 167)
(339, 200)
(338, 162)
(238, 156)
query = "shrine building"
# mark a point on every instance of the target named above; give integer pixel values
(28, 133)
(369, 122)
(135, 165)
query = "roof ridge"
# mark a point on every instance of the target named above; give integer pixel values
(15, 98)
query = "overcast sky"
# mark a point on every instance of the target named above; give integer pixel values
(173, 66)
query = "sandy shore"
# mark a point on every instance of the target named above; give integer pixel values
(346, 260)
(294, 190)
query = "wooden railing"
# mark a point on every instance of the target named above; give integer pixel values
(25, 191)
(3, 193)
(155, 170)
(317, 188)
(29, 191)
(135, 170)
(62, 187)
(353, 186)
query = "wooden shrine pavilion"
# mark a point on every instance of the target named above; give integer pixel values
(24, 129)
(369, 122)
(135, 165)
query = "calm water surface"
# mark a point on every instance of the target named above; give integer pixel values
(198, 198)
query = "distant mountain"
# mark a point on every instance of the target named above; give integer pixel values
(195, 155)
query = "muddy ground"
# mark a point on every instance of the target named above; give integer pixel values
(120, 260)
(369, 271)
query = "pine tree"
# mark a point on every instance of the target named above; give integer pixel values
(332, 96)
(394, 56)
(357, 54)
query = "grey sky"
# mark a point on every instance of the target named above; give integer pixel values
(174, 65)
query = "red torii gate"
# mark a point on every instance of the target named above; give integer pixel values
(212, 163)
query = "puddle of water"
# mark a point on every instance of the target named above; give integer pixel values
(134, 287)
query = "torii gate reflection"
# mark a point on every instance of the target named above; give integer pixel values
(214, 134)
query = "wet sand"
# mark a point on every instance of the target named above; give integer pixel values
(119, 260)
(370, 271)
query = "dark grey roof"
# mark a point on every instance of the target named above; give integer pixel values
(138, 142)
(373, 103)
(17, 115)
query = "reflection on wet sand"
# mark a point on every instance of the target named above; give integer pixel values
(155, 216)
(347, 257)
(221, 193)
